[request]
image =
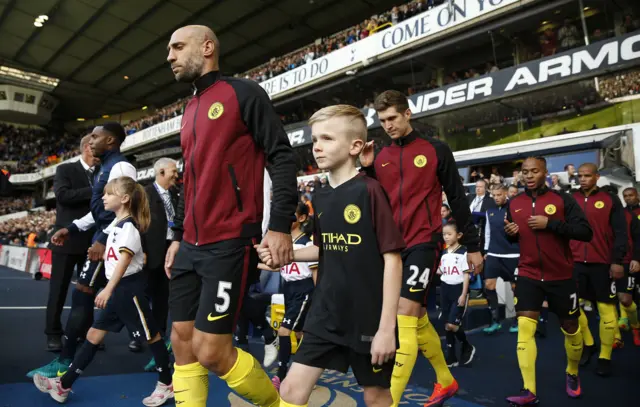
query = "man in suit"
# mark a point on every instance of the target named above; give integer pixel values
(163, 201)
(479, 204)
(72, 186)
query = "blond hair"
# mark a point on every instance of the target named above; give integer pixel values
(138, 204)
(351, 113)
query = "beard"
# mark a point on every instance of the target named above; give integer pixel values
(190, 70)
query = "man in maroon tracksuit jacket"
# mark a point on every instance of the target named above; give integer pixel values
(599, 262)
(627, 285)
(229, 129)
(544, 221)
(414, 170)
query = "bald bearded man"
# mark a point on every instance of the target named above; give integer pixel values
(229, 132)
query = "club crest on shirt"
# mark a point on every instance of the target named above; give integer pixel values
(550, 209)
(215, 111)
(352, 214)
(599, 204)
(420, 161)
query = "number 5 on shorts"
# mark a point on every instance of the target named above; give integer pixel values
(223, 288)
(414, 279)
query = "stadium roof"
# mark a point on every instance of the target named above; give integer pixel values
(93, 46)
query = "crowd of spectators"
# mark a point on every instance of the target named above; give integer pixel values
(163, 114)
(32, 230)
(13, 205)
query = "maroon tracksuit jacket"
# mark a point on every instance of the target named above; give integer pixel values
(545, 255)
(229, 128)
(414, 170)
(606, 217)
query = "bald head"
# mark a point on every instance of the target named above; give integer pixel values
(193, 51)
(591, 167)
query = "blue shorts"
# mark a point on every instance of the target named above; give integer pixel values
(92, 275)
(452, 313)
(505, 267)
(297, 300)
(128, 306)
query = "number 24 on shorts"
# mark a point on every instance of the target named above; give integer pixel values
(416, 278)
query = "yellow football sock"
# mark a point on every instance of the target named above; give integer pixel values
(249, 380)
(584, 328)
(623, 312)
(285, 404)
(573, 345)
(527, 352)
(632, 314)
(191, 385)
(405, 356)
(431, 348)
(607, 329)
(617, 336)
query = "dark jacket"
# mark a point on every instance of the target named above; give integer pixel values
(72, 188)
(545, 254)
(498, 241)
(229, 130)
(633, 235)
(154, 239)
(414, 170)
(605, 214)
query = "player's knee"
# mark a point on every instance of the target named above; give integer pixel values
(94, 336)
(214, 353)
(181, 332)
(570, 326)
(490, 284)
(292, 392)
(625, 299)
(376, 396)
(282, 331)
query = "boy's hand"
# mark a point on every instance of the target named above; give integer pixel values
(383, 347)
(265, 256)
(367, 154)
(511, 228)
(462, 300)
(103, 298)
(262, 266)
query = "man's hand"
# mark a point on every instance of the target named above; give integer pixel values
(616, 271)
(103, 298)
(538, 222)
(383, 347)
(511, 228)
(280, 246)
(170, 257)
(367, 154)
(634, 267)
(96, 251)
(60, 236)
(476, 262)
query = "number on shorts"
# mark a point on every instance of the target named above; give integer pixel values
(223, 287)
(613, 287)
(414, 279)
(86, 266)
(631, 283)
(574, 298)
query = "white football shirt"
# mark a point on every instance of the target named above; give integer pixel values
(297, 270)
(453, 265)
(123, 237)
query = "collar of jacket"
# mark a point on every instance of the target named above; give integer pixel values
(206, 80)
(540, 191)
(595, 191)
(633, 207)
(108, 154)
(403, 141)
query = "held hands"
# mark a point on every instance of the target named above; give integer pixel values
(616, 271)
(511, 228)
(367, 154)
(476, 261)
(96, 251)
(103, 298)
(634, 267)
(60, 236)
(383, 347)
(275, 250)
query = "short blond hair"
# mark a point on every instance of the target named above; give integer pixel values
(352, 113)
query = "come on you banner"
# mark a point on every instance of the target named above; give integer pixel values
(423, 25)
